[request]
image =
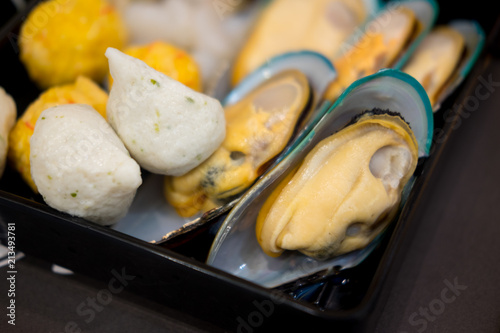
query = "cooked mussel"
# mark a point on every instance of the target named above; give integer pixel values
(344, 192)
(435, 59)
(293, 25)
(259, 127)
(382, 165)
(445, 57)
(385, 42)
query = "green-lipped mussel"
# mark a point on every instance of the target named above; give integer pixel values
(345, 191)
(259, 127)
(336, 191)
(445, 57)
(385, 42)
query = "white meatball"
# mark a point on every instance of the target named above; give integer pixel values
(80, 166)
(7, 121)
(168, 128)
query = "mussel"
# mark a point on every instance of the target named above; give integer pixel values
(344, 192)
(258, 128)
(294, 25)
(385, 42)
(445, 57)
(382, 164)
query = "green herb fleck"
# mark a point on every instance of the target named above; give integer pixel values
(73, 195)
(49, 177)
(198, 157)
(154, 82)
(157, 128)
(189, 99)
(43, 118)
(134, 142)
(205, 103)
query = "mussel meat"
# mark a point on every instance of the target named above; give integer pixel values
(365, 173)
(345, 191)
(436, 59)
(384, 40)
(293, 25)
(259, 127)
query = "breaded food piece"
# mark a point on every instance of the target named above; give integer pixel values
(80, 166)
(61, 40)
(170, 60)
(83, 91)
(168, 128)
(7, 120)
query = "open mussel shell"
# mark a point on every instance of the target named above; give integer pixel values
(386, 41)
(426, 13)
(288, 90)
(151, 219)
(474, 38)
(236, 250)
(319, 72)
(287, 26)
(318, 69)
(309, 62)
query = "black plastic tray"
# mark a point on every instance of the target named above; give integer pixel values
(178, 278)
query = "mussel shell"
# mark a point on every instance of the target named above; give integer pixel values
(236, 250)
(223, 85)
(395, 56)
(474, 37)
(318, 69)
(320, 73)
(426, 12)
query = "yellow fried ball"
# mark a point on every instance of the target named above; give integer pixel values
(62, 39)
(169, 60)
(83, 91)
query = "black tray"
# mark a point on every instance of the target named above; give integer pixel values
(177, 278)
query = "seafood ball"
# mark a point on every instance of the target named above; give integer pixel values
(83, 91)
(169, 60)
(7, 121)
(61, 40)
(168, 128)
(80, 166)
